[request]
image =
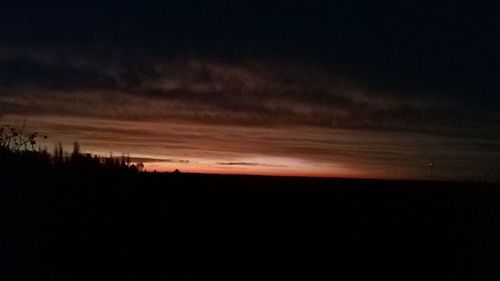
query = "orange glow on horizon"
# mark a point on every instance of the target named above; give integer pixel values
(286, 151)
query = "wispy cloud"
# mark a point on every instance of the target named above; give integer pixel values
(161, 160)
(283, 150)
(199, 112)
(247, 164)
(205, 91)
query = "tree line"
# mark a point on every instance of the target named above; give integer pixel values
(19, 149)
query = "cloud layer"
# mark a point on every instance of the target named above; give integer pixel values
(205, 91)
(249, 116)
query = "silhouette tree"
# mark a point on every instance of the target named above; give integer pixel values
(58, 154)
(76, 152)
(18, 151)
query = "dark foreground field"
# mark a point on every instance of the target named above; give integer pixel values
(105, 226)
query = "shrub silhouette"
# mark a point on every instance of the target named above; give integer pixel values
(17, 139)
(18, 151)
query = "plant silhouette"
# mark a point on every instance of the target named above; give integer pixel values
(18, 151)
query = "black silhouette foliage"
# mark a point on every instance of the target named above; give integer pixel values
(18, 151)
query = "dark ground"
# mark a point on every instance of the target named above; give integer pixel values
(109, 226)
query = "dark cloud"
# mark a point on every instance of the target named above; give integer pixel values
(444, 48)
(254, 93)
(161, 160)
(247, 164)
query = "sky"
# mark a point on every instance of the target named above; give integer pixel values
(318, 88)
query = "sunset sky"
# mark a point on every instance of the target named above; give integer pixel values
(350, 89)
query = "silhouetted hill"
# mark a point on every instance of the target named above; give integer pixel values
(78, 217)
(108, 225)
